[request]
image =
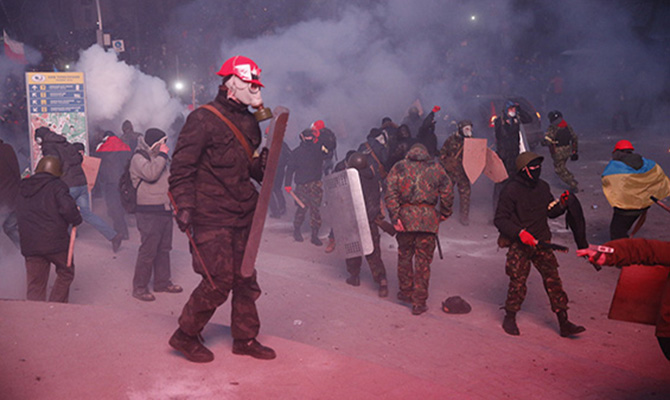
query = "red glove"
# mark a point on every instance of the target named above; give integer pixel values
(527, 238)
(288, 189)
(565, 196)
(436, 109)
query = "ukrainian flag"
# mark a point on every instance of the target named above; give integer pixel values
(630, 189)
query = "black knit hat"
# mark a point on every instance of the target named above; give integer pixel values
(153, 135)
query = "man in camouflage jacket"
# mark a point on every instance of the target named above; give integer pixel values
(415, 185)
(563, 145)
(451, 158)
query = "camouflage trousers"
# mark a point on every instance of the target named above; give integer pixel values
(561, 156)
(517, 268)
(413, 280)
(310, 193)
(374, 259)
(460, 179)
(222, 250)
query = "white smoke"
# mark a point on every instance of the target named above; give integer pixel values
(117, 91)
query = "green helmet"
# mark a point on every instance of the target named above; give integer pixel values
(357, 160)
(525, 158)
(51, 165)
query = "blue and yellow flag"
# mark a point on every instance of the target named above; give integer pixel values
(630, 189)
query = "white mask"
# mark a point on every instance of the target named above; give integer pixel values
(244, 92)
(381, 139)
(511, 114)
(467, 131)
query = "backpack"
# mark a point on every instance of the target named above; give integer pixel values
(127, 191)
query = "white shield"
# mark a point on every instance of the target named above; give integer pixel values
(345, 202)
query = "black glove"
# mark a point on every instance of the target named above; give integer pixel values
(263, 158)
(574, 157)
(184, 219)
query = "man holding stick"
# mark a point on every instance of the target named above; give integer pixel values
(210, 181)
(45, 210)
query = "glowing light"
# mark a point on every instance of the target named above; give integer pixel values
(473, 18)
(178, 86)
(67, 66)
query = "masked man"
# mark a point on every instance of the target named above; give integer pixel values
(521, 217)
(563, 145)
(210, 180)
(451, 158)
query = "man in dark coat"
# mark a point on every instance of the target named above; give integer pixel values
(45, 210)
(306, 163)
(521, 217)
(10, 176)
(375, 148)
(71, 158)
(277, 200)
(415, 186)
(210, 179)
(114, 154)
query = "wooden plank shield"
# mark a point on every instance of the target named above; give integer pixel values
(474, 157)
(494, 169)
(91, 165)
(638, 294)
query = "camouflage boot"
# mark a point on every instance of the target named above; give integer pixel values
(567, 327)
(509, 324)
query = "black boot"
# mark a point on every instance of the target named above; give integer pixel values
(253, 348)
(190, 347)
(567, 327)
(315, 238)
(509, 324)
(297, 235)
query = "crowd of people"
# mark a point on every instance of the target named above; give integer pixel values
(206, 186)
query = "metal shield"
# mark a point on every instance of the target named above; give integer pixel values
(344, 198)
(639, 293)
(474, 157)
(494, 169)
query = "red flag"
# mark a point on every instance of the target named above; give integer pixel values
(13, 49)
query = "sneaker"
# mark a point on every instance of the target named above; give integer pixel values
(253, 348)
(418, 309)
(190, 347)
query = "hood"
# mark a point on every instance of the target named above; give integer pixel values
(418, 152)
(112, 143)
(53, 138)
(32, 185)
(633, 160)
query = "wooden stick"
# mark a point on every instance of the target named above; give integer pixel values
(70, 250)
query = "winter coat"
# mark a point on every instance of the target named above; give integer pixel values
(44, 211)
(427, 135)
(377, 155)
(114, 155)
(371, 192)
(508, 136)
(210, 171)
(284, 157)
(150, 177)
(306, 162)
(561, 135)
(523, 205)
(413, 188)
(10, 177)
(54, 144)
(451, 153)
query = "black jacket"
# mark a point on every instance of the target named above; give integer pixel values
(306, 162)
(54, 144)
(525, 206)
(44, 211)
(10, 176)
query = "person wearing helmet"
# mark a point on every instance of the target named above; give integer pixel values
(451, 158)
(45, 210)
(210, 181)
(563, 145)
(371, 187)
(628, 181)
(415, 187)
(521, 218)
(305, 166)
(375, 148)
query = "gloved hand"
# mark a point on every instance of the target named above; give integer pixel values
(263, 158)
(527, 238)
(574, 157)
(184, 219)
(399, 227)
(565, 196)
(288, 189)
(436, 109)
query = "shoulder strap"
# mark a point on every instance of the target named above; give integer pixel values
(232, 127)
(382, 170)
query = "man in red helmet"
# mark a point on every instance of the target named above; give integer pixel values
(628, 182)
(210, 181)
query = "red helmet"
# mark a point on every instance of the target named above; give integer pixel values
(623, 145)
(242, 67)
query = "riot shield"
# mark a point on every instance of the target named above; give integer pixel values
(344, 199)
(474, 157)
(495, 169)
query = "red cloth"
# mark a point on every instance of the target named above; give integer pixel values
(112, 143)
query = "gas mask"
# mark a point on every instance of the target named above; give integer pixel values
(381, 139)
(467, 131)
(244, 92)
(38, 139)
(511, 113)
